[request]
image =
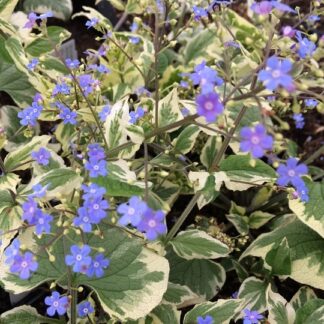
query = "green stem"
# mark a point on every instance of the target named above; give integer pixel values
(74, 300)
(315, 155)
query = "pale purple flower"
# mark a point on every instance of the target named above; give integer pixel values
(131, 211)
(11, 251)
(32, 17)
(306, 47)
(92, 22)
(209, 106)
(288, 31)
(57, 304)
(299, 120)
(199, 13)
(152, 224)
(32, 64)
(255, 140)
(312, 103)
(137, 114)
(24, 264)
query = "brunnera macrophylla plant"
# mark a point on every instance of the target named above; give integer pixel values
(134, 182)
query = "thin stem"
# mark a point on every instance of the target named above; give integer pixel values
(315, 155)
(74, 300)
(156, 64)
(146, 171)
(121, 20)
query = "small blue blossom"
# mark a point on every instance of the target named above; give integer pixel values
(83, 220)
(133, 29)
(152, 223)
(313, 18)
(288, 31)
(312, 103)
(79, 259)
(97, 266)
(135, 115)
(29, 115)
(41, 156)
(104, 113)
(39, 191)
(96, 152)
(85, 308)
(96, 168)
(11, 251)
(32, 17)
(32, 64)
(37, 98)
(96, 207)
(68, 116)
(142, 91)
(43, 222)
(232, 44)
(184, 84)
(61, 88)
(306, 47)
(209, 106)
(199, 13)
(46, 15)
(131, 211)
(255, 140)
(57, 304)
(185, 112)
(92, 22)
(291, 173)
(72, 64)
(87, 83)
(92, 191)
(205, 320)
(206, 77)
(100, 68)
(265, 7)
(29, 210)
(299, 121)
(251, 317)
(276, 74)
(24, 264)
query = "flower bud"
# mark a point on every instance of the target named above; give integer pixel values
(53, 285)
(80, 289)
(52, 258)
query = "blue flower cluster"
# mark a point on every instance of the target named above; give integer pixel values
(94, 207)
(137, 213)
(29, 115)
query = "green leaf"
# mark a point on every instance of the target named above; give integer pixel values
(10, 121)
(209, 151)
(185, 141)
(280, 312)
(169, 110)
(6, 8)
(61, 9)
(253, 291)
(238, 219)
(45, 44)
(9, 181)
(312, 212)
(160, 315)
(27, 315)
(118, 4)
(279, 258)
(221, 311)
(180, 296)
(195, 244)
(302, 296)
(259, 218)
(197, 46)
(306, 250)
(238, 169)
(203, 277)
(311, 313)
(60, 181)
(17, 160)
(120, 181)
(131, 287)
(16, 84)
(135, 133)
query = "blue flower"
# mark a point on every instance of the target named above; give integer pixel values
(205, 320)
(11, 251)
(43, 222)
(100, 68)
(42, 156)
(46, 15)
(104, 113)
(79, 259)
(276, 74)
(29, 115)
(291, 173)
(131, 211)
(83, 220)
(265, 7)
(56, 303)
(209, 106)
(206, 77)
(32, 17)
(299, 120)
(87, 83)
(39, 191)
(133, 29)
(61, 88)
(29, 210)
(68, 116)
(251, 317)
(96, 207)
(84, 309)
(255, 140)
(32, 64)
(199, 13)
(92, 191)
(92, 22)
(313, 18)
(72, 64)
(96, 152)
(312, 103)
(97, 266)
(135, 115)
(306, 47)
(152, 223)
(24, 264)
